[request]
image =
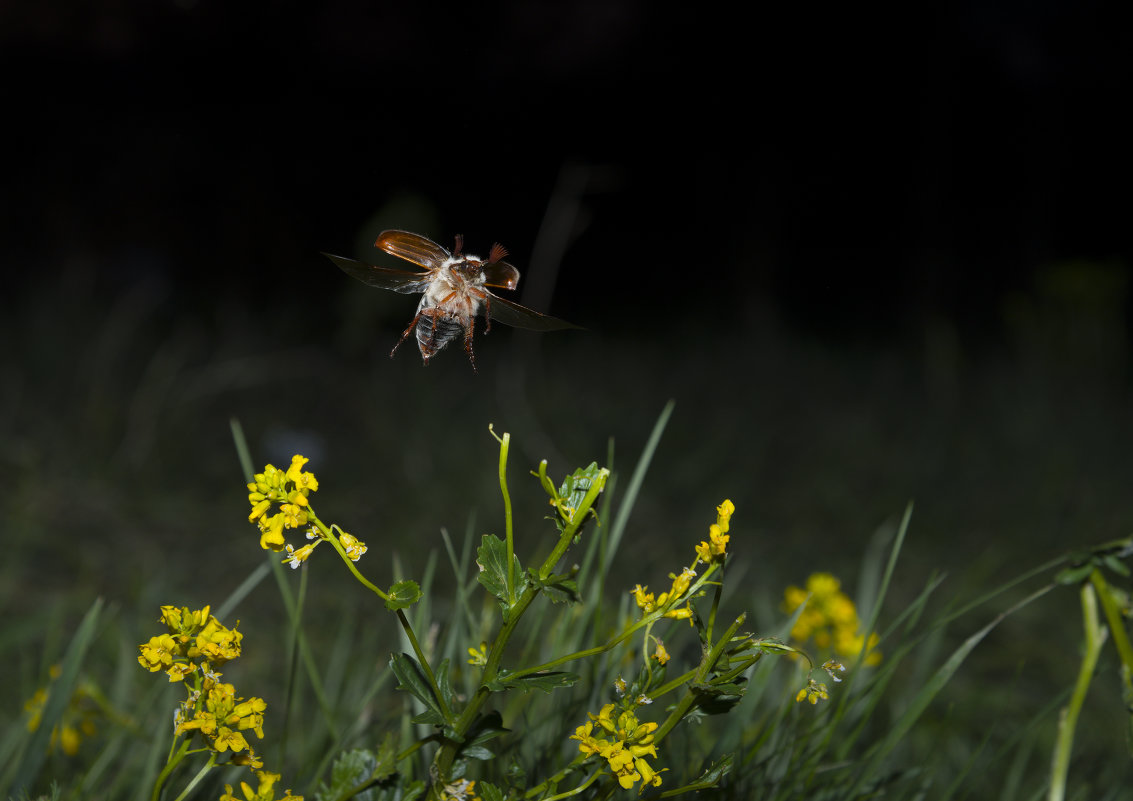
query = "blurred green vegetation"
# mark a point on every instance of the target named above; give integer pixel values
(122, 481)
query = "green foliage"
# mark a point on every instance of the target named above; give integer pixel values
(717, 718)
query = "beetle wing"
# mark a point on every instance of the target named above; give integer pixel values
(500, 274)
(412, 247)
(508, 313)
(403, 281)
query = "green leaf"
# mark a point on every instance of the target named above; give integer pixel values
(444, 683)
(486, 727)
(1074, 575)
(576, 485)
(545, 681)
(62, 689)
(386, 759)
(710, 778)
(412, 679)
(559, 589)
(403, 594)
(491, 557)
(351, 770)
(483, 729)
(771, 646)
(489, 791)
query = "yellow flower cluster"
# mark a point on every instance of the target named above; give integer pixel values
(624, 749)
(193, 638)
(830, 619)
(287, 489)
(711, 553)
(76, 722)
(649, 604)
(813, 692)
(196, 640)
(460, 790)
(265, 792)
(717, 544)
(224, 718)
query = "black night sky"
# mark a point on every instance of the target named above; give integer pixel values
(849, 174)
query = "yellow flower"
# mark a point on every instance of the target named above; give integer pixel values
(813, 692)
(724, 514)
(217, 643)
(830, 618)
(823, 585)
(681, 582)
(643, 599)
(77, 720)
(296, 557)
(683, 613)
(354, 547)
(158, 653)
(460, 790)
(294, 515)
(717, 545)
(660, 654)
(265, 792)
(287, 489)
(271, 533)
(629, 742)
(304, 482)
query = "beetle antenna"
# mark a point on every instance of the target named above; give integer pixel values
(498, 252)
(459, 246)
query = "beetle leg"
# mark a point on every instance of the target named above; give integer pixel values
(487, 298)
(405, 333)
(468, 341)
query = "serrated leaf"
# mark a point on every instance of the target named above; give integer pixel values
(489, 792)
(577, 484)
(403, 594)
(574, 489)
(412, 679)
(386, 759)
(352, 769)
(491, 557)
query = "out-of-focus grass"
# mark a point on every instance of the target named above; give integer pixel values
(122, 481)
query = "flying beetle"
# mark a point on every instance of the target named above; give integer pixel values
(454, 289)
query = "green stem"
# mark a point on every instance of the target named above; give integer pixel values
(405, 625)
(706, 664)
(573, 792)
(446, 754)
(505, 440)
(1068, 720)
(171, 763)
(329, 536)
(1113, 617)
(196, 779)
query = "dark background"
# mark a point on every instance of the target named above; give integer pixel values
(854, 173)
(874, 258)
